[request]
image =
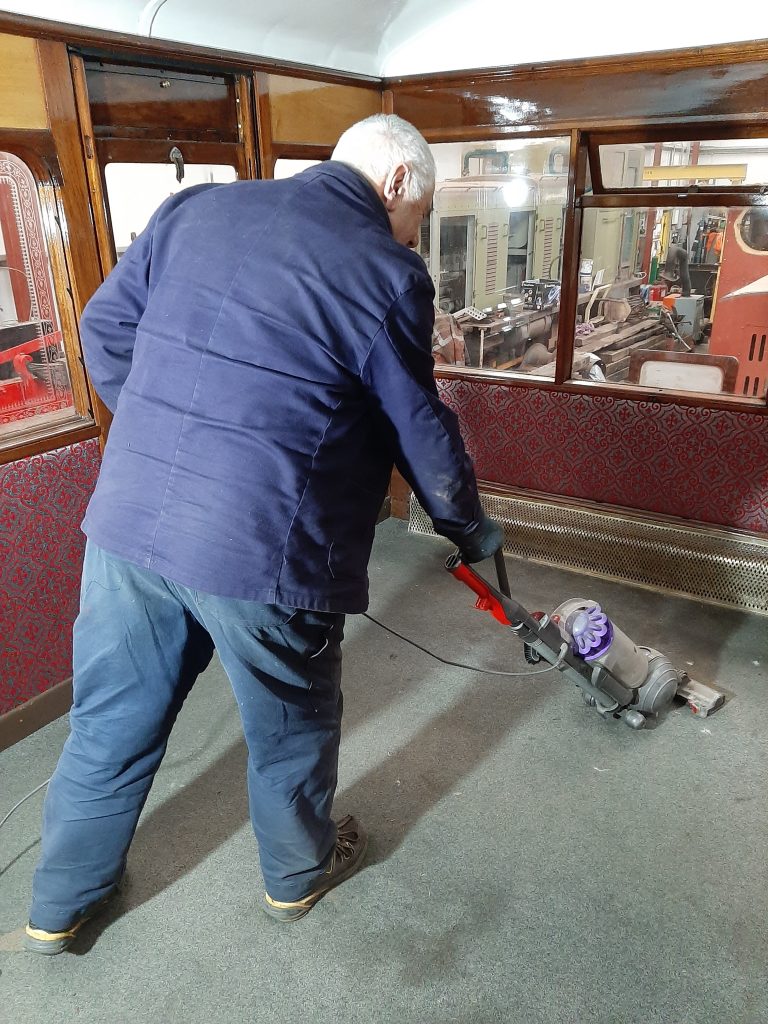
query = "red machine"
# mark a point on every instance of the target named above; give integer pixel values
(31, 369)
(740, 309)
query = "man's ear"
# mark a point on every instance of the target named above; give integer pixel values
(394, 184)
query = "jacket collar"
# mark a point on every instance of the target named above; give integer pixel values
(358, 185)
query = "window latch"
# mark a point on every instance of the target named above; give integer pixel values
(178, 160)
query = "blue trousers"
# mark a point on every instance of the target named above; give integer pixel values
(140, 641)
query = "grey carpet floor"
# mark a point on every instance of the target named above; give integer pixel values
(529, 862)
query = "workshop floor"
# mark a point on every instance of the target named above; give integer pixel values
(529, 862)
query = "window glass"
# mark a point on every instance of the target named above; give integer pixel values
(35, 388)
(674, 298)
(494, 249)
(134, 192)
(286, 166)
(682, 164)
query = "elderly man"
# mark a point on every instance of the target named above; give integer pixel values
(265, 349)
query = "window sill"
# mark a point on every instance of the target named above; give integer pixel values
(631, 392)
(46, 439)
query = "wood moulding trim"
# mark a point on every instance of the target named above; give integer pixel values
(93, 175)
(264, 125)
(743, 125)
(474, 375)
(569, 256)
(154, 150)
(48, 442)
(20, 722)
(301, 151)
(116, 44)
(666, 197)
(687, 57)
(246, 125)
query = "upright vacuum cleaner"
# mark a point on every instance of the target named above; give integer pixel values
(618, 678)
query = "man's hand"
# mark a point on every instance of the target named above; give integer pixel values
(483, 542)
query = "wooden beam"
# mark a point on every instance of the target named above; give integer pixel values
(22, 721)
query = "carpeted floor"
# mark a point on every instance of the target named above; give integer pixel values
(529, 863)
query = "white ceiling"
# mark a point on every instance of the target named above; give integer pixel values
(398, 37)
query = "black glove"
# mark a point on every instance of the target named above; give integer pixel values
(484, 540)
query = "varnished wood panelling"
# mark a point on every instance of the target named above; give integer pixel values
(22, 103)
(318, 112)
(590, 93)
(77, 224)
(160, 103)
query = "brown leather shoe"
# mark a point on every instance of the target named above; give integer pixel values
(346, 858)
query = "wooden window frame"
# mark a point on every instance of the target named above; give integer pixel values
(121, 143)
(297, 151)
(37, 150)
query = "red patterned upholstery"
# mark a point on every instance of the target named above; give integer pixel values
(42, 501)
(708, 465)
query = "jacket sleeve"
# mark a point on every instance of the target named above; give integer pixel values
(110, 320)
(430, 454)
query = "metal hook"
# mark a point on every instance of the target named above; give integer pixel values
(176, 157)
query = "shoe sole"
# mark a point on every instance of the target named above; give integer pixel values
(49, 947)
(64, 939)
(290, 914)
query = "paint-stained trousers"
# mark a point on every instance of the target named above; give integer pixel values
(140, 641)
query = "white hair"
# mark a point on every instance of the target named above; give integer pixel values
(379, 143)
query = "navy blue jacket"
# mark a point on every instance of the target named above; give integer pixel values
(265, 348)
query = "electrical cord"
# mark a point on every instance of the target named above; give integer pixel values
(23, 800)
(405, 639)
(471, 668)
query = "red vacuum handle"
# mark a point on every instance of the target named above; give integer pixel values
(487, 599)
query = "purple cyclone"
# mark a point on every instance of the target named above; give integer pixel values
(591, 631)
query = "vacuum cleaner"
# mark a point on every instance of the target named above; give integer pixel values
(618, 678)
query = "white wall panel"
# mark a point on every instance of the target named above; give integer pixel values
(116, 15)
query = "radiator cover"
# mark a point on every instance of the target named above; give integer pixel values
(719, 566)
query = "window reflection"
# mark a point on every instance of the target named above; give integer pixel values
(287, 166)
(709, 163)
(675, 298)
(495, 248)
(35, 386)
(753, 229)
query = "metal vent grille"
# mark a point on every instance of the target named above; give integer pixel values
(492, 259)
(707, 564)
(757, 361)
(546, 257)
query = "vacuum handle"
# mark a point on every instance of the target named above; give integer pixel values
(501, 573)
(502, 606)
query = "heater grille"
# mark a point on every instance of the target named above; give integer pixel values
(705, 563)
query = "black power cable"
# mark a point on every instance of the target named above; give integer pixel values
(470, 668)
(405, 639)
